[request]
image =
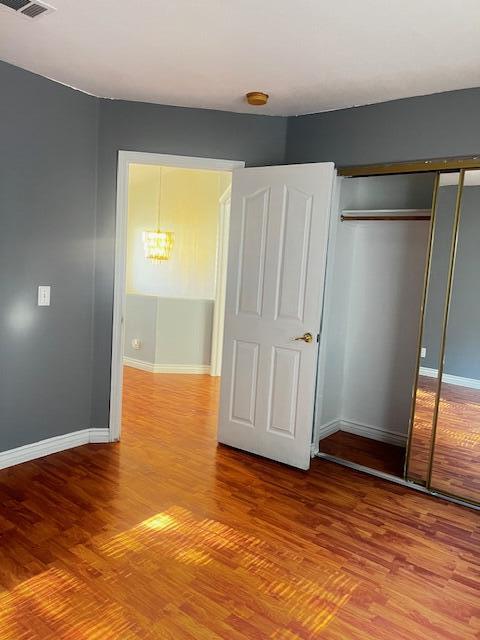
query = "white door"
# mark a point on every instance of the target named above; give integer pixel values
(276, 270)
(221, 281)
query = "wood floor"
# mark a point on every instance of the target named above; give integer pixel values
(456, 462)
(167, 536)
(421, 436)
(380, 456)
(456, 459)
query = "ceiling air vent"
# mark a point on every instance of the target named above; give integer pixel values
(15, 4)
(27, 8)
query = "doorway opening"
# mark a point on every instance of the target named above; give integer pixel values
(170, 278)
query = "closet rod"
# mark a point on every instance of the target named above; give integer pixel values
(388, 218)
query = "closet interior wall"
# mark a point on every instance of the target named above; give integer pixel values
(375, 278)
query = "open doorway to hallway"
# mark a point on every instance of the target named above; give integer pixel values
(171, 297)
(172, 246)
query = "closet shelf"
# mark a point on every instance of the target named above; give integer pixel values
(391, 215)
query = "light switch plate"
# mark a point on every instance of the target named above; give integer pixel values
(44, 295)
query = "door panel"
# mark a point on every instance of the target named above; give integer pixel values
(278, 240)
(252, 263)
(295, 233)
(244, 382)
(283, 393)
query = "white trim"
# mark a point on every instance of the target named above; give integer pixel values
(447, 378)
(182, 162)
(365, 430)
(165, 368)
(332, 234)
(97, 436)
(374, 433)
(429, 373)
(125, 158)
(380, 212)
(138, 364)
(225, 202)
(314, 450)
(328, 429)
(52, 445)
(182, 368)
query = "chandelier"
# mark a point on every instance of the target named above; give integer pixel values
(158, 243)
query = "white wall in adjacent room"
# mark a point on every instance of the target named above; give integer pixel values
(177, 295)
(189, 207)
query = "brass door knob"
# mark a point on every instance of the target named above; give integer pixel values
(307, 337)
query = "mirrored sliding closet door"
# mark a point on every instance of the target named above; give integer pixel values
(444, 452)
(442, 235)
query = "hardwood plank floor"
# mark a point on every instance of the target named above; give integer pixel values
(456, 462)
(380, 456)
(167, 536)
(418, 462)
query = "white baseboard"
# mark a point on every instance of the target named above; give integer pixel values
(181, 368)
(52, 445)
(99, 436)
(166, 368)
(428, 373)
(374, 433)
(365, 430)
(469, 383)
(138, 364)
(328, 429)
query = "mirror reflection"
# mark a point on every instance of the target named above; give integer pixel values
(456, 453)
(431, 335)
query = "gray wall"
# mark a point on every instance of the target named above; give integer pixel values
(133, 126)
(48, 141)
(440, 125)
(413, 191)
(437, 287)
(184, 331)
(462, 354)
(141, 323)
(48, 186)
(172, 330)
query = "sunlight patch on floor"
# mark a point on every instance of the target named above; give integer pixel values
(244, 561)
(56, 604)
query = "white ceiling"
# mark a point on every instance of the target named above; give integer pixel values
(309, 55)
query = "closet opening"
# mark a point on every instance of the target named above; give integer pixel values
(377, 257)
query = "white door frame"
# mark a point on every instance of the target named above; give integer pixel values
(125, 159)
(220, 281)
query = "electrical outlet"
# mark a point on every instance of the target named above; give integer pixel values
(136, 343)
(423, 352)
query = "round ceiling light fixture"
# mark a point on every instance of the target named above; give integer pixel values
(257, 98)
